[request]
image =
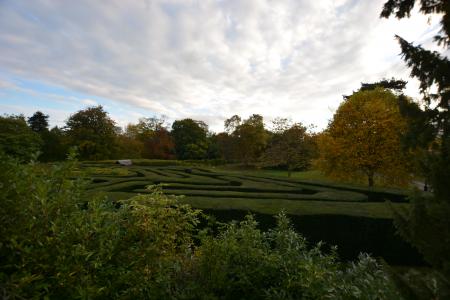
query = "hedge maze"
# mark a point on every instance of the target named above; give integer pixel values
(353, 218)
(209, 189)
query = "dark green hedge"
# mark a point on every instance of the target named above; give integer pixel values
(352, 235)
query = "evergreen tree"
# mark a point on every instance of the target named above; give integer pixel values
(427, 224)
(394, 85)
(38, 122)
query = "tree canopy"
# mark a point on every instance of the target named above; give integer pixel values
(190, 138)
(250, 138)
(38, 122)
(92, 131)
(17, 139)
(291, 147)
(364, 138)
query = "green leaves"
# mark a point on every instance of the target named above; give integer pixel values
(59, 243)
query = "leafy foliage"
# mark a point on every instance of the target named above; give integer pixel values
(394, 85)
(92, 131)
(420, 224)
(149, 138)
(190, 139)
(245, 263)
(248, 138)
(426, 225)
(17, 139)
(38, 122)
(292, 148)
(59, 243)
(364, 138)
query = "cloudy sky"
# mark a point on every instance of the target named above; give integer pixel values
(203, 59)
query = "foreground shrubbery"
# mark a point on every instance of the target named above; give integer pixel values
(57, 243)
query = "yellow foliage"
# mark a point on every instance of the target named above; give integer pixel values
(363, 140)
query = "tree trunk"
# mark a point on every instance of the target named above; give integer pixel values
(370, 177)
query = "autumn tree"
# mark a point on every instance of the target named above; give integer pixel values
(128, 147)
(92, 131)
(291, 147)
(153, 136)
(364, 139)
(160, 145)
(190, 138)
(427, 224)
(225, 146)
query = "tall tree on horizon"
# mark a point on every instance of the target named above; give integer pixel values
(93, 132)
(394, 85)
(250, 139)
(363, 140)
(190, 138)
(38, 122)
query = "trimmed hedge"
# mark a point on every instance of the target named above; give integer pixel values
(322, 196)
(211, 189)
(351, 234)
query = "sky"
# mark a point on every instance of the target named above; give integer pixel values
(203, 59)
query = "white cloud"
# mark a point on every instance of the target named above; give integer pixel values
(6, 84)
(207, 59)
(89, 102)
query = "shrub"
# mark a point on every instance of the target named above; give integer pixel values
(244, 263)
(58, 242)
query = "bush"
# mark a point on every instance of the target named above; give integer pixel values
(58, 242)
(244, 263)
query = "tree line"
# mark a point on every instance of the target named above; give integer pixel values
(97, 137)
(364, 140)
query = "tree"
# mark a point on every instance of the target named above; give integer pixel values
(292, 148)
(160, 145)
(17, 139)
(224, 143)
(190, 139)
(232, 123)
(427, 224)
(54, 142)
(250, 139)
(394, 85)
(155, 139)
(55, 145)
(364, 139)
(38, 122)
(93, 132)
